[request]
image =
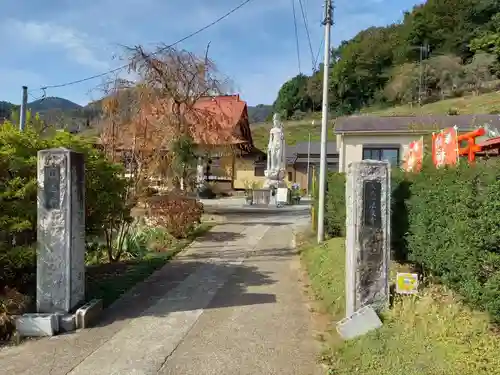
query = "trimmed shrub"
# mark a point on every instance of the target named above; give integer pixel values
(11, 303)
(445, 221)
(454, 229)
(335, 209)
(105, 197)
(400, 225)
(19, 268)
(177, 213)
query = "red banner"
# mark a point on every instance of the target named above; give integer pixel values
(445, 147)
(414, 156)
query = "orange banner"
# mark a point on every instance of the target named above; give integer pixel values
(445, 147)
(414, 156)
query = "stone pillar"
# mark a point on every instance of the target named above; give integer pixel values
(60, 231)
(368, 209)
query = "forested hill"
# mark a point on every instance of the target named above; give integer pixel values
(259, 113)
(61, 112)
(380, 66)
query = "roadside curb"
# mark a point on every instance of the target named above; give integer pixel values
(319, 330)
(296, 230)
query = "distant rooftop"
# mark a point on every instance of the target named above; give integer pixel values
(298, 153)
(413, 123)
(315, 148)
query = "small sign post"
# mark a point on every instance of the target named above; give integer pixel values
(407, 283)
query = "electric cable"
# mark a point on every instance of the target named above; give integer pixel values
(304, 18)
(296, 35)
(159, 51)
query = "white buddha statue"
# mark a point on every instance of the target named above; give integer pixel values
(276, 158)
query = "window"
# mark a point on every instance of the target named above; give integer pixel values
(290, 176)
(374, 153)
(259, 172)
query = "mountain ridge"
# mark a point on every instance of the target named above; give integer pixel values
(61, 109)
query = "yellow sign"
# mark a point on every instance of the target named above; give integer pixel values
(407, 283)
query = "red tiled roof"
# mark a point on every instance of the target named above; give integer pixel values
(225, 118)
(214, 121)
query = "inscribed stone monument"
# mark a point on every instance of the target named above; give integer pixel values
(60, 231)
(368, 206)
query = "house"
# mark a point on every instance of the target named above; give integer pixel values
(302, 158)
(218, 125)
(387, 138)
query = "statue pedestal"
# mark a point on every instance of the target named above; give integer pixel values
(275, 179)
(270, 184)
(261, 197)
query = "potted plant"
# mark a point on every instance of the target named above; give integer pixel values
(248, 192)
(249, 197)
(295, 193)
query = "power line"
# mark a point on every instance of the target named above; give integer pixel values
(304, 18)
(160, 50)
(316, 59)
(296, 34)
(33, 97)
(305, 8)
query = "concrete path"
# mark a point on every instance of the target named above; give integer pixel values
(230, 304)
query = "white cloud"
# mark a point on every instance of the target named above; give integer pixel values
(76, 44)
(255, 45)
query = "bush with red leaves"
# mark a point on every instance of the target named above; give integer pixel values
(177, 213)
(11, 303)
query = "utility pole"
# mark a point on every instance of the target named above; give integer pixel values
(22, 114)
(309, 164)
(421, 76)
(327, 22)
(423, 49)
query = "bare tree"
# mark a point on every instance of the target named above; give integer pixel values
(155, 121)
(174, 83)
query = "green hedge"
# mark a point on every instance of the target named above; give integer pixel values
(455, 229)
(447, 221)
(105, 197)
(334, 205)
(335, 210)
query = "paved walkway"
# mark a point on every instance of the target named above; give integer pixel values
(230, 304)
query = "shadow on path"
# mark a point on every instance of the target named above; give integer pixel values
(237, 252)
(161, 287)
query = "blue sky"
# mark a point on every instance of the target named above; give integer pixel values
(56, 41)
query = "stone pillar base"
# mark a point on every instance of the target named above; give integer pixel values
(268, 184)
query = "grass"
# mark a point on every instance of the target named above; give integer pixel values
(480, 104)
(298, 131)
(429, 334)
(110, 280)
(106, 281)
(295, 132)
